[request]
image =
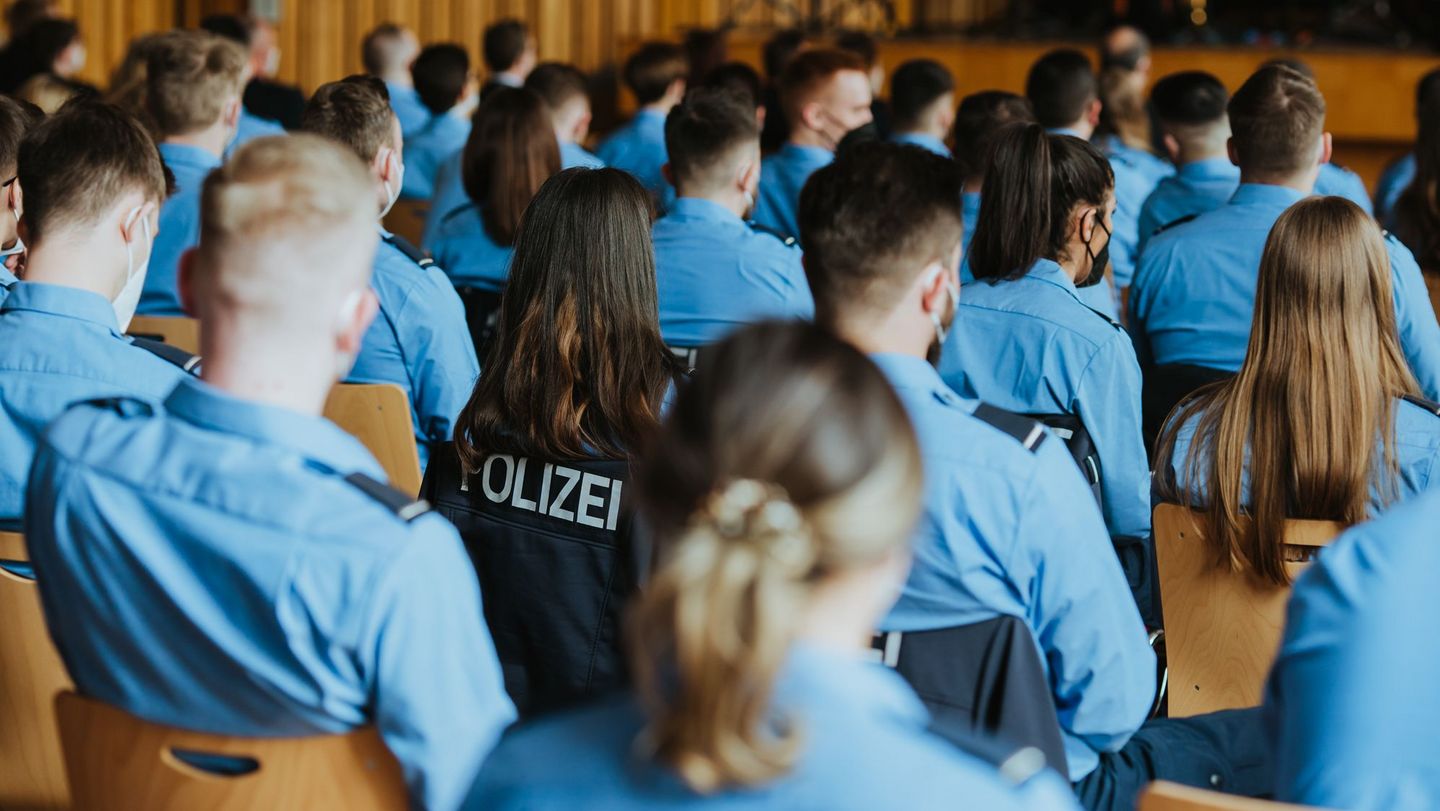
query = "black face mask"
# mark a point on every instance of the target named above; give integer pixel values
(1099, 260)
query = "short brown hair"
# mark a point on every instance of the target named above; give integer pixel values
(354, 111)
(1276, 120)
(78, 163)
(189, 77)
(653, 68)
(16, 118)
(808, 72)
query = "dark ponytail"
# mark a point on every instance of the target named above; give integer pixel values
(1034, 181)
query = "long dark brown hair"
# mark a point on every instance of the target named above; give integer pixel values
(1417, 212)
(511, 151)
(578, 368)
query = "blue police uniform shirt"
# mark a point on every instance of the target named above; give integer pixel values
(467, 253)
(923, 141)
(1136, 175)
(412, 112)
(1350, 706)
(179, 228)
(1030, 346)
(573, 155)
(59, 345)
(1198, 187)
(782, 176)
(1009, 531)
(970, 211)
(714, 274)
(1338, 181)
(7, 281)
(1416, 445)
(639, 148)
(1194, 297)
(419, 341)
(204, 563)
(429, 147)
(864, 746)
(250, 127)
(1396, 178)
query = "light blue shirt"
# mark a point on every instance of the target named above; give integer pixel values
(250, 127)
(412, 112)
(1137, 173)
(1010, 531)
(1194, 296)
(7, 281)
(1337, 181)
(1350, 705)
(204, 564)
(573, 155)
(429, 147)
(782, 176)
(1198, 187)
(922, 140)
(865, 746)
(467, 253)
(714, 274)
(639, 148)
(59, 345)
(970, 210)
(1396, 178)
(1030, 346)
(179, 228)
(1416, 444)
(419, 341)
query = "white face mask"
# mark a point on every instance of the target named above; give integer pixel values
(129, 296)
(953, 292)
(19, 246)
(393, 195)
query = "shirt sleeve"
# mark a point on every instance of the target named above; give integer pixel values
(440, 701)
(1108, 403)
(1415, 319)
(439, 355)
(1147, 272)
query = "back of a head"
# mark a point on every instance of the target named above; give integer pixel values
(809, 73)
(705, 50)
(441, 73)
(979, 119)
(738, 79)
(708, 137)
(127, 80)
(287, 230)
(1277, 119)
(1416, 216)
(1034, 183)
(916, 86)
(779, 49)
(1427, 92)
(650, 71)
(557, 84)
(790, 461)
(233, 27)
(861, 44)
(510, 154)
(81, 162)
(1060, 86)
(578, 368)
(387, 49)
(503, 44)
(190, 76)
(44, 41)
(870, 220)
(1124, 47)
(1189, 99)
(16, 119)
(21, 15)
(355, 112)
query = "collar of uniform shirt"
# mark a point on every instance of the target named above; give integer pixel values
(818, 677)
(1266, 194)
(1049, 271)
(1210, 169)
(699, 208)
(186, 155)
(909, 371)
(318, 439)
(57, 299)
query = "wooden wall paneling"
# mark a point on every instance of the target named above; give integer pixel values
(108, 26)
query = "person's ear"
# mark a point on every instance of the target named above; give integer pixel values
(1085, 225)
(132, 229)
(386, 164)
(231, 117)
(15, 199)
(811, 115)
(354, 324)
(582, 127)
(749, 179)
(1327, 147)
(1172, 147)
(185, 283)
(1092, 113)
(760, 118)
(1232, 151)
(932, 289)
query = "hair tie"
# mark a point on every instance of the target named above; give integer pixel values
(761, 514)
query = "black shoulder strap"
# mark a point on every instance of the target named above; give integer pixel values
(396, 501)
(1017, 766)
(1432, 407)
(1026, 431)
(408, 248)
(785, 239)
(173, 355)
(1167, 226)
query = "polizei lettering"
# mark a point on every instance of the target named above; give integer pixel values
(556, 491)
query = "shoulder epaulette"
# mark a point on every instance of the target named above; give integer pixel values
(1432, 407)
(173, 355)
(124, 406)
(1024, 430)
(785, 239)
(404, 506)
(1167, 226)
(408, 248)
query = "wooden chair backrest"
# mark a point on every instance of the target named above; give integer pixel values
(32, 770)
(1222, 628)
(117, 762)
(1163, 796)
(378, 414)
(407, 219)
(181, 333)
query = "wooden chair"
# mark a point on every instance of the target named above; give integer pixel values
(1163, 796)
(117, 762)
(378, 414)
(182, 333)
(32, 770)
(1222, 628)
(407, 219)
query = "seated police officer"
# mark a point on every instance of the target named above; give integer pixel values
(193, 82)
(657, 75)
(981, 117)
(922, 104)
(16, 119)
(387, 53)
(715, 272)
(445, 85)
(1194, 294)
(1333, 180)
(1190, 108)
(1009, 526)
(420, 341)
(1400, 175)
(93, 182)
(228, 561)
(780, 546)
(574, 384)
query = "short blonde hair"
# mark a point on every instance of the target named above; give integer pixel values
(189, 75)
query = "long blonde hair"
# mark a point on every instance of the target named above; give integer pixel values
(788, 460)
(1321, 375)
